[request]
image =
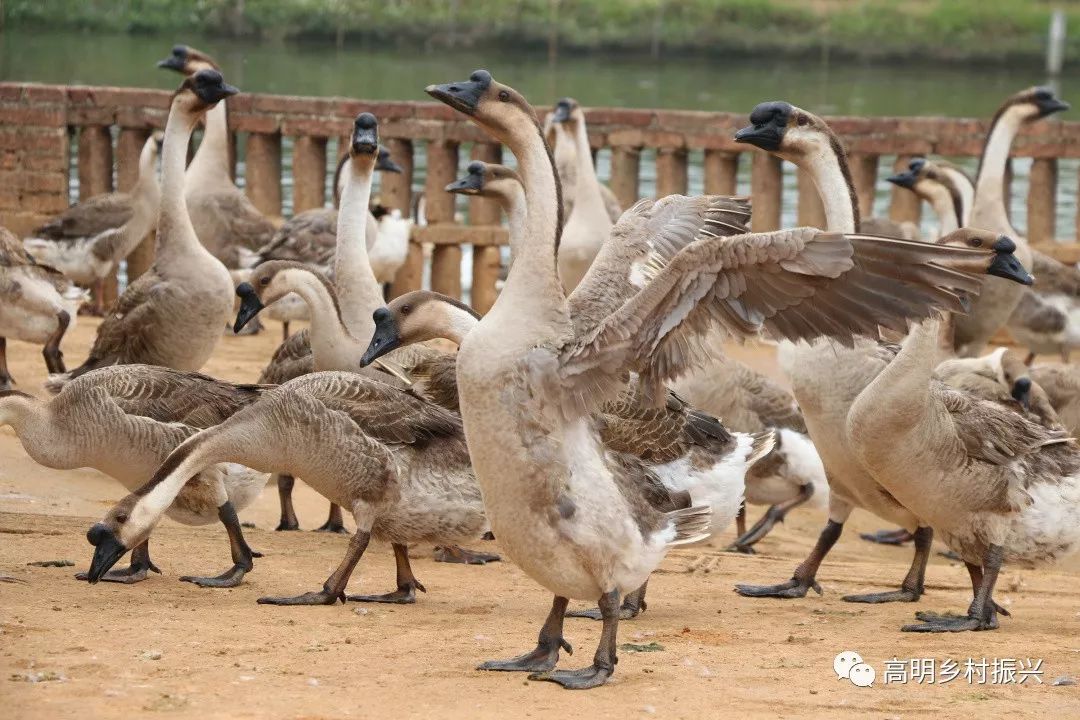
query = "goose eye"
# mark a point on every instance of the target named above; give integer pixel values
(504, 95)
(121, 518)
(405, 310)
(977, 242)
(802, 120)
(264, 280)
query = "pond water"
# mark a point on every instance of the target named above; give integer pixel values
(823, 85)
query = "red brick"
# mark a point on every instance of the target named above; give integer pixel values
(91, 115)
(34, 182)
(44, 202)
(318, 127)
(23, 223)
(45, 163)
(257, 123)
(46, 115)
(34, 140)
(11, 91)
(141, 117)
(45, 93)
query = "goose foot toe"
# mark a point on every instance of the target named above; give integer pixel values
(583, 679)
(901, 595)
(404, 595)
(743, 549)
(539, 660)
(230, 578)
(333, 527)
(127, 576)
(945, 623)
(456, 554)
(287, 526)
(320, 597)
(793, 588)
(888, 537)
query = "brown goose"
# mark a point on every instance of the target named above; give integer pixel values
(124, 421)
(223, 218)
(171, 315)
(89, 239)
(37, 305)
(571, 519)
(561, 132)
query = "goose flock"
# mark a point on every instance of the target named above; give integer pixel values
(590, 420)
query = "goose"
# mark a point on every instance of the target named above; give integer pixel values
(89, 239)
(1047, 318)
(826, 378)
(311, 237)
(993, 308)
(37, 305)
(223, 217)
(560, 130)
(573, 521)
(794, 469)
(124, 421)
(396, 461)
(1000, 377)
(994, 486)
(172, 314)
(589, 225)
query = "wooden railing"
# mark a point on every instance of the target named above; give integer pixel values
(38, 123)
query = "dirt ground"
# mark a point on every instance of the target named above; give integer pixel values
(68, 649)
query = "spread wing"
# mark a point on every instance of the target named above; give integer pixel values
(795, 284)
(651, 227)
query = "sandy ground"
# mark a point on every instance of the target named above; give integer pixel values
(168, 647)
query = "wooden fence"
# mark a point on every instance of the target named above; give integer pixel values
(38, 123)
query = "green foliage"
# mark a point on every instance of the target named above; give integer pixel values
(973, 29)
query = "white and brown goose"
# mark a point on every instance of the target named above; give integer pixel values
(88, 240)
(124, 421)
(223, 217)
(572, 520)
(172, 314)
(561, 132)
(37, 305)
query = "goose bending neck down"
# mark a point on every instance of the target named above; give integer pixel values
(570, 519)
(945, 190)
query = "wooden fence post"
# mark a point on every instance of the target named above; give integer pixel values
(96, 178)
(396, 191)
(1042, 201)
(262, 176)
(625, 169)
(864, 174)
(309, 173)
(721, 172)
(767, 186)
(442, 163)
(670, 171)
(128, 148)
(487, 259)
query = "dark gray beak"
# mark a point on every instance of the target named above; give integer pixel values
(386, 164)
(1021, 392)
(211, 87)
(471, 184)
(767, 137)
(562, 112)
(385, 338)
(176, 61)
(250, 306)
(462, 96)
(365, 137)
(1005, 265)
(107, 551)
(905, 179)
(1051, 106)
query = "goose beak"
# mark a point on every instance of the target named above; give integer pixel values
(386, 164)
(462, 96)
(172, 63)
(905, 179)
(766, 137)
(1021, 392)
(562, 112)
(250, 306)
(1051, 106)
(1005, 265)
(365, 139)
(385, 339)
(107, 550)
(471, 184)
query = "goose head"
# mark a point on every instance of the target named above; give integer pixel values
(1034, 103)
(272, 281)
(497, 108)
(202, 91)
(415, 317)
(364, 142)
(188, 60)
(788, 132)
(114, 536)
(489, 180)
(567, 112)
(995, 257)
(928, 180)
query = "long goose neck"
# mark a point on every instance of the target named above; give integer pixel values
(459, 322)
(146, 187)
(965, 191)
(514, 204)
(534, 279)
(210, 166)
(333, 345)
(989, 205)
(24, 413)
(829, 169)
(176, 235)
(946, 206)
(358, 291)
(588, 185)
(903, 387)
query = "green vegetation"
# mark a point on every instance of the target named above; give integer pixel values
(934, 29)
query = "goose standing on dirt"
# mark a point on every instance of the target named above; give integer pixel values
(992, 309)
(570, 519)
(396, 461)
(791, 470)
(560, 130)
(588, 226)
(88, 240)
(171, 315)
(223, 217)
(124, 421)
(37, 305)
